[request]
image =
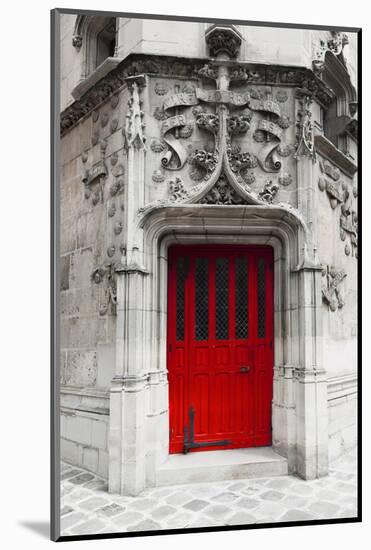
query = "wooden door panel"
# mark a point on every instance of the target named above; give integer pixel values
(220, 357)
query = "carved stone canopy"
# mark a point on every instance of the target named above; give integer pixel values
(223, 39)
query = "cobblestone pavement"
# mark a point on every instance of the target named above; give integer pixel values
(87, 507)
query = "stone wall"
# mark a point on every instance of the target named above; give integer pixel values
(93, 200)
(295, 47)
(84, 429)
(342, 408)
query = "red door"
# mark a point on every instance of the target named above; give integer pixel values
(220, 346)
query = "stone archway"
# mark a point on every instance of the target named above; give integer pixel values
(139, 435)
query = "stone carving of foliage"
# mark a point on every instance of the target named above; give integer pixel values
(238, 124)
(240, 160)
(205, 159)
(207, 121)
(177, 190)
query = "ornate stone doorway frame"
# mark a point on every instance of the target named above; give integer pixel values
(139, 422)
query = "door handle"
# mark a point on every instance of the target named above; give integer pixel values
(244, 370)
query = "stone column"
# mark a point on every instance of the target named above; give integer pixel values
(127, 437)
(310, 377)
(311, 383)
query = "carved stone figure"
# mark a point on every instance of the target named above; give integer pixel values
(176, 190)
(304, 134)
(269, 192)
(334, 45)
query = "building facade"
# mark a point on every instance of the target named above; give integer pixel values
(208, 249)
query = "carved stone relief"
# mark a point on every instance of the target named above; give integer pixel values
(333, 186)
(104, 119)
(114, 124)
(94, 177)
(114, 158)
(158, 176)
(106, 273)
(285, 179)
(114, 101)
(222, 193)
(177, 190)
(220, 39)
(134, 119)
(331, 290)
(349, 225)
(269, 192)
(142, 64)
(304, 127)
(161, 88)
(341, 194)
(158, 146)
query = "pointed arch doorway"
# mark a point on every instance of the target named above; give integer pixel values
(220, 346)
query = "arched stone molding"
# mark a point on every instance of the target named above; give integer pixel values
(336, 75)
(84, 39)
(139, 397)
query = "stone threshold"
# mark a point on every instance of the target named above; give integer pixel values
(221, 466)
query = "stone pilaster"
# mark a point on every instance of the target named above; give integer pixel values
(311, 383)
(128, 392)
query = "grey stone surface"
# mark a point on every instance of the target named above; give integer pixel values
(218, 511)
(83, 478)
(225, 497)
(88, 508)
(177, 499)
(196, 505)
(126, 519)
(93, 503)
(272, 495)
(162, 512)
(145, 525)
(90, 526)
(110, 510)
